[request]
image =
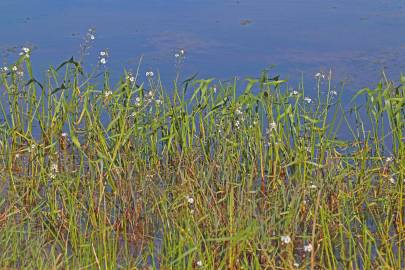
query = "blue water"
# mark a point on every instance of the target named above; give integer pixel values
(356, 39)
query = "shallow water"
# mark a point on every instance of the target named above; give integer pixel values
(356, 39)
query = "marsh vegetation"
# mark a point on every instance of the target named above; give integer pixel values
(200, 174)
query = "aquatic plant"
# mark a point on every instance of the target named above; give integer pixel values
(207, 175)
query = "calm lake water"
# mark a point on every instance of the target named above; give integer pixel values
(355, 39)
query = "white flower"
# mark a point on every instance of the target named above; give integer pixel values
(91, 34)
(54, 167)
(308, 99)
(238, 111)
(137, 101)
(159, 102)
(32, 148)
(14, 68)
(64, 134)
(182, 52)
(286, 239)
(199, 264)
(4, 69)
(130, 77)
(107, 94)
(20, 73)
(294, 93)
(392, 180)
(389, 159)
(308, 248)
(52, 176)
(176, 55)
(190, 200)
(150, 93)
(313, 187)
(333, 93)
(25, 52)
(103, 61)
(103, 53)
(149, 74)
(215, 90)
(296, 264)
(320, 75)
(272, 125)
(237, 124)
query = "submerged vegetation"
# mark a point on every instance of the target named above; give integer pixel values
(207, 175)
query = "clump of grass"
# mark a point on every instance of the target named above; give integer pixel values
(199, 176)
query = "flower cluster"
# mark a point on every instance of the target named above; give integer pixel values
(107, 94)
(25, 52)
(308, 248)
(54, 169)
(103, 57)
(4, 69)
(137, 101)
(238, 111)
(269, 131)
(180, 53)
(240, 117)
(190, 199)
(14, 69)
(87, 41)
(91, 34)
(308, 99)
(286, 239)
(32, 148)
(322, 76)
(159, 102)
(149, 74)
(179, 59)
(130, 77)
(148, 98)
(272, 126)
(294, 93)
(237, 124)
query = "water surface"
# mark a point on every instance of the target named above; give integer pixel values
(355, 39)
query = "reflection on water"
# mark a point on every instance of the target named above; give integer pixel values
(356, 39)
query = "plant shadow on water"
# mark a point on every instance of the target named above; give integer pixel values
(209, 174)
